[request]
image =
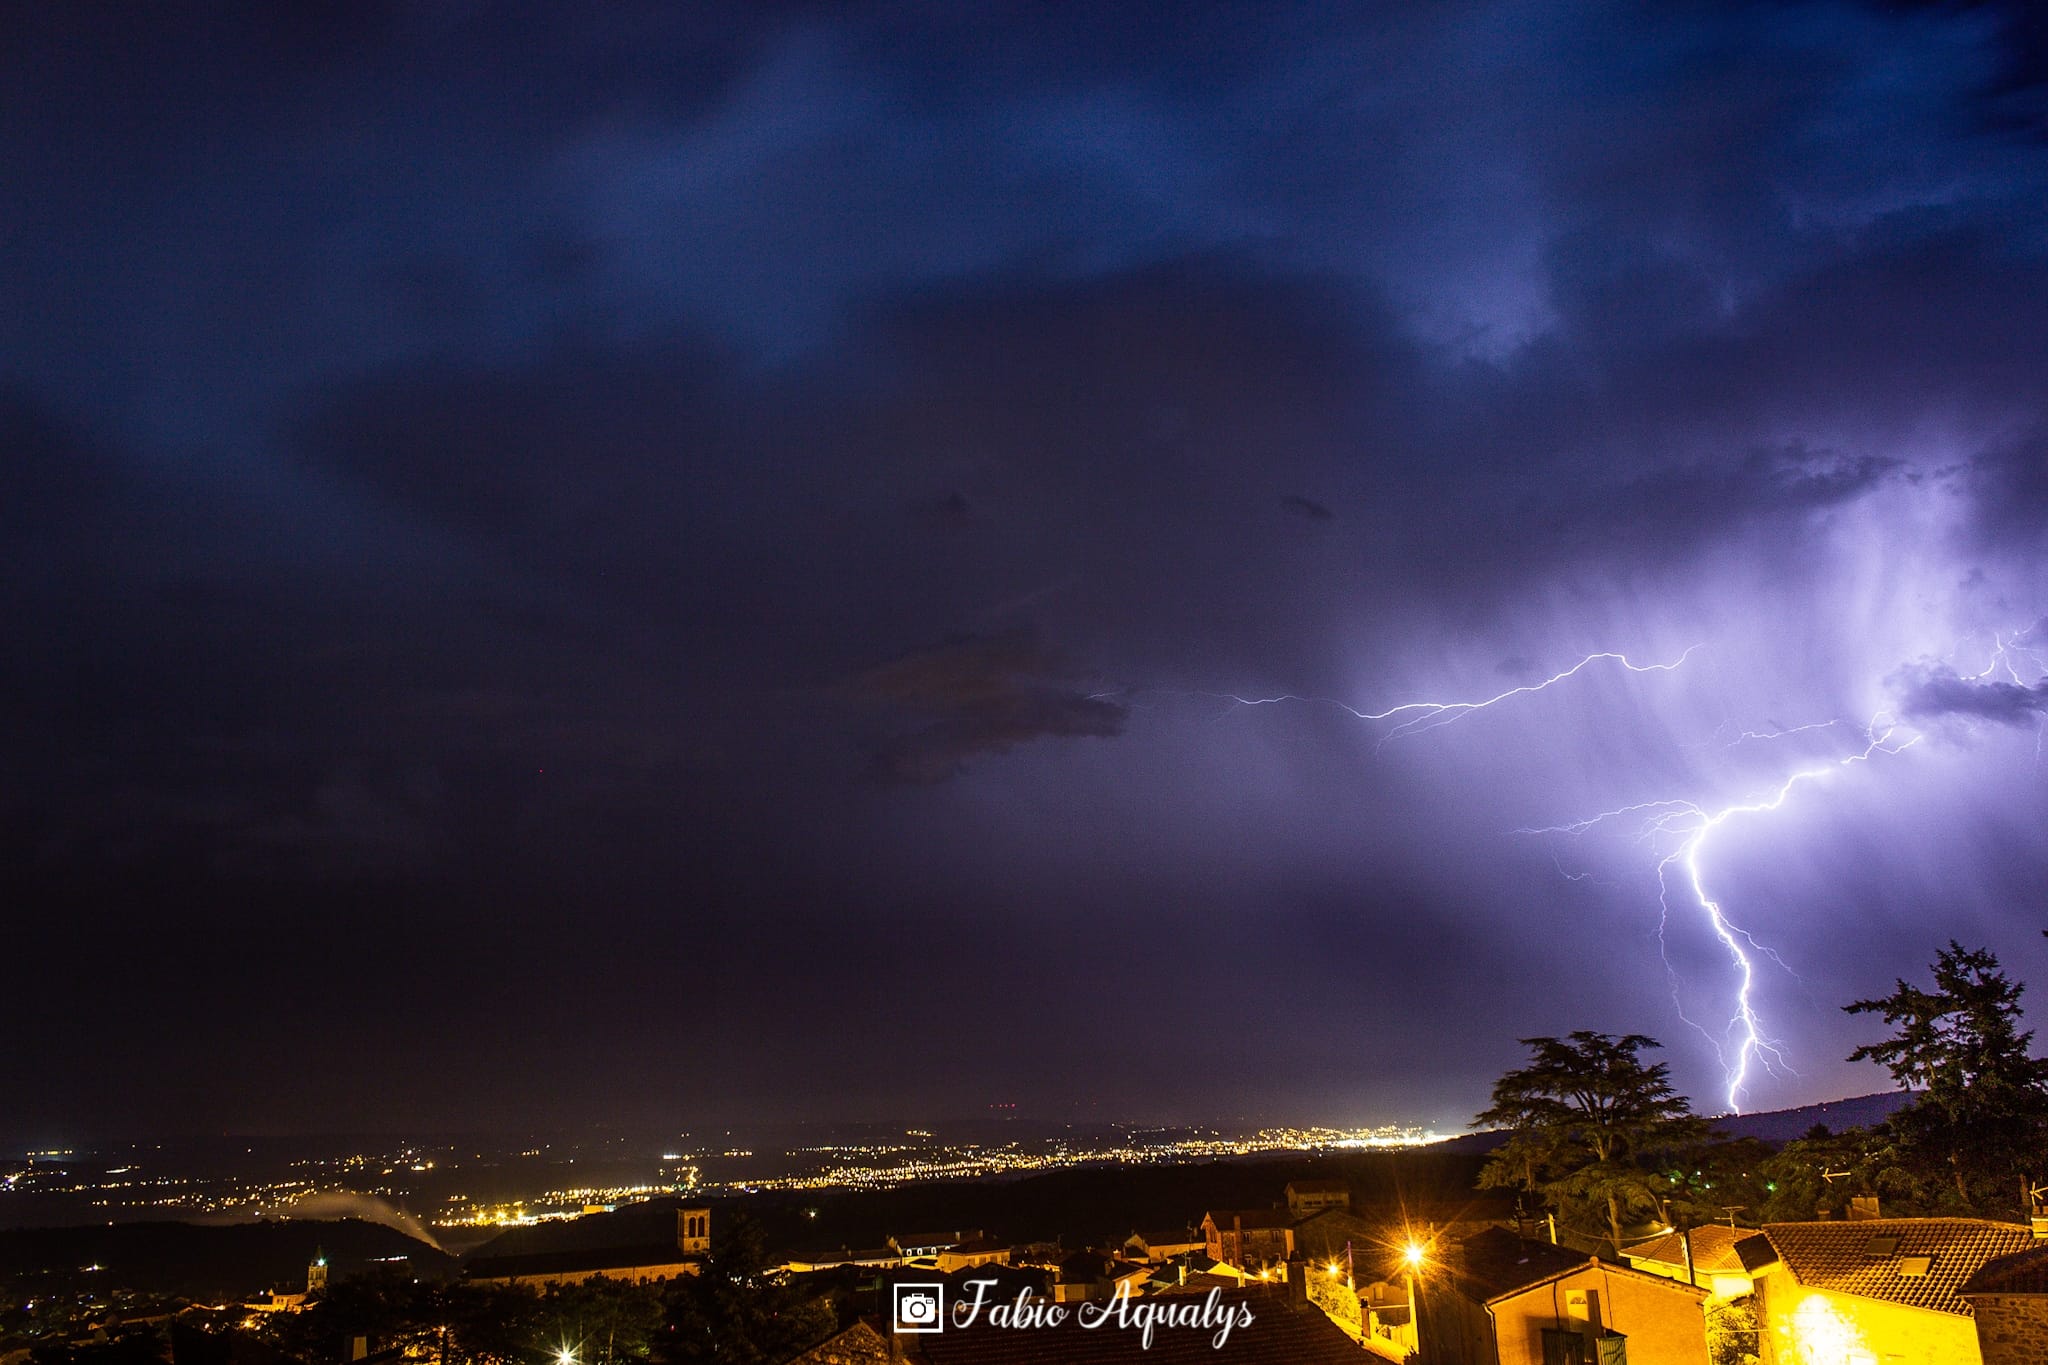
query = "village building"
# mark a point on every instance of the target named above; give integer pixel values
(1874, 1289)
(2009, 1299)
(1499, 1299)
(1704, 1256)
(1250, 1239)
(1305, 1197)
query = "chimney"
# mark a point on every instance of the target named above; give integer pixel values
(1862, 1208)
(358, 1347)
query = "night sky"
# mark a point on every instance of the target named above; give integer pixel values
(678, 562)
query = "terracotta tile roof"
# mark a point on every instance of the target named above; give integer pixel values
(940, 1240)
(1252, 1220)
(859, 1344)
(1919, 1262)
(1495, 1262)
(2023, 1272)
(1198, 1282)
(1173, 1237)
(1279, 1334)
(1713, 1250)
(977, 1246)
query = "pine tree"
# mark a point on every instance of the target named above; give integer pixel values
(1589, 1119)
(1981, 1112)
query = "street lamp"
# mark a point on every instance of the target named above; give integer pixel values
(1413, 1257)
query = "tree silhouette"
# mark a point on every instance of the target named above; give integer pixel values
(737, 1312)
(1981, 1112)
(1589, 1119)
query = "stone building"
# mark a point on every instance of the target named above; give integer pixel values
(1250, 1239)
(2010, 1296)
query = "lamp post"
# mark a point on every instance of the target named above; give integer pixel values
(1412, 1257)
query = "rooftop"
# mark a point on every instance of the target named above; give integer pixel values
(2023, 1272)
(1918, 1262)
(1713, 1250)
(1251, 1220)
(1496, 1262)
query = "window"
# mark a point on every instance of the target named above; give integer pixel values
(1564, 1348)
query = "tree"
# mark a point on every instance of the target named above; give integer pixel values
(736, 1311)
(1980, 1114)
(1590, 1120)
(456, 1323)
(1716, 1181)
(1732, 1332)
(604, 1320)
(1818, 1173)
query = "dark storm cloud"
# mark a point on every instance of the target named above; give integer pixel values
(973, 697)
(511, 480)
(1671, 510)
(1933, 691)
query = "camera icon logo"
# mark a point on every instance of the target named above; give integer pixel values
(917, 1307)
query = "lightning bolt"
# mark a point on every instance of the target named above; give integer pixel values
(2017, 646)
(1414, 717)
(2007, 648)
(1744, 1042)
(1681, 830)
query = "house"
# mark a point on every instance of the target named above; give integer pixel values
(1337, 1234)
(1162, 1245)
(1874, 1288)
(915, 1244)
(1499, 1299)
(1248, 1238)
(2009, 1297)
(1305, 1197)
(1705, 1256)
(976, 1251)
(1095, 1275)
(859, 1344)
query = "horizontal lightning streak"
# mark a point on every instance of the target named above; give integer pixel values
(1414, 717)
